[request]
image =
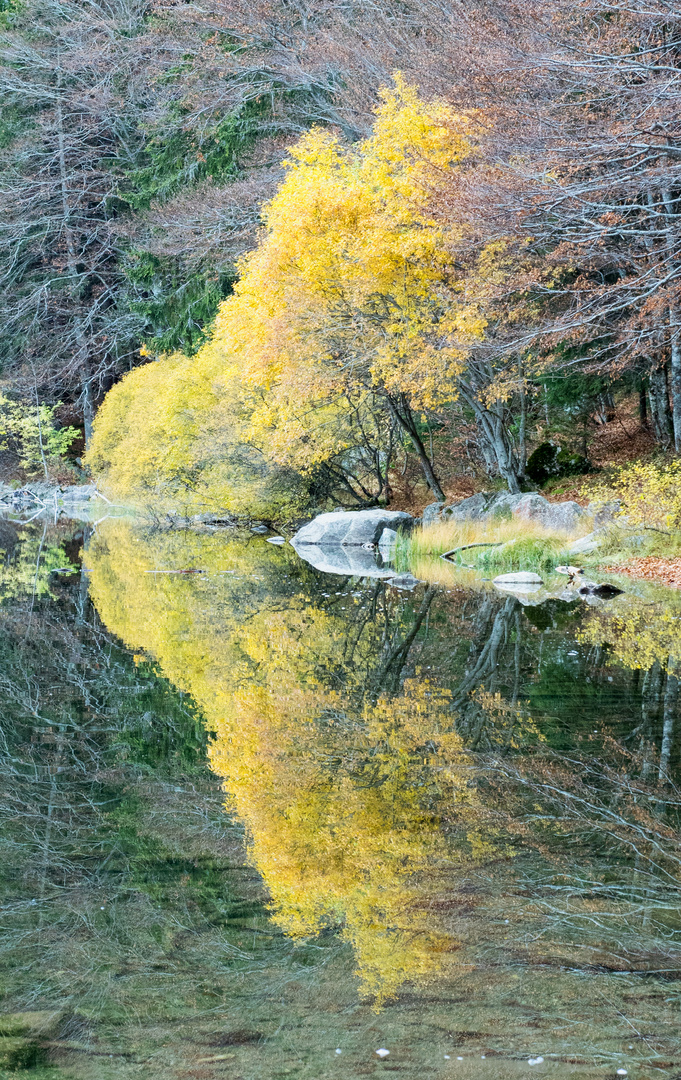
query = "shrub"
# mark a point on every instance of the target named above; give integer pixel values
(649, 494)
(31, 432)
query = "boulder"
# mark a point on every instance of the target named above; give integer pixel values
(550, 460)
(78, 492)
(564, 516)
(585, 545)
(387, 541)
(481, 507)
(351, 528)
(485, 506)
(433, 513)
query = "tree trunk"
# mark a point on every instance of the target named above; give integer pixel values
(493, 432)
(72, 262)
(88, 412)
(674, 319)
(659, 405)
(522, 435)
(504, 455)
(671, 695)
(405, 418)
(642, 403)
(675, 341)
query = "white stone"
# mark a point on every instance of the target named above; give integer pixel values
(382, 1052)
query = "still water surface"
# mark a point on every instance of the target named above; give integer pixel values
(263, 821)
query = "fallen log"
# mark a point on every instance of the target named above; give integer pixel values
(464, 547)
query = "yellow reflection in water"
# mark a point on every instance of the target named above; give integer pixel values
(639, 630)
(342, 784)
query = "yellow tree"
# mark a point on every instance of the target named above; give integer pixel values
(172, 434)
(351, 302)
(348, 321)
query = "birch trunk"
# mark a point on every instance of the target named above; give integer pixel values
(675, 342)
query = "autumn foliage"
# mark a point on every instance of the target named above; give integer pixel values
(348, 319)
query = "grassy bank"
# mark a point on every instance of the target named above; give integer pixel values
(499, 546)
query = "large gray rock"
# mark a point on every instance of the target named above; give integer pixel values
(78, 493)
(351, 528)
(481, 507)
(564, 516)
(388, 541)
(433, 512)
(485, 506)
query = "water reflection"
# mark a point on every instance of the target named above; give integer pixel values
(381, 749)
(478, 799)
(339, 764)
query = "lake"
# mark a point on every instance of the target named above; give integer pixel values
(262, 820)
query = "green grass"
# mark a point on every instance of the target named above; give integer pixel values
(523, 553)
(621, 544)
(513, 545)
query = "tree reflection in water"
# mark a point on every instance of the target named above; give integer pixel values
(463, 790)
(381, 749)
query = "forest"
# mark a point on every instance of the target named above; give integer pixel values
(309, 253)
